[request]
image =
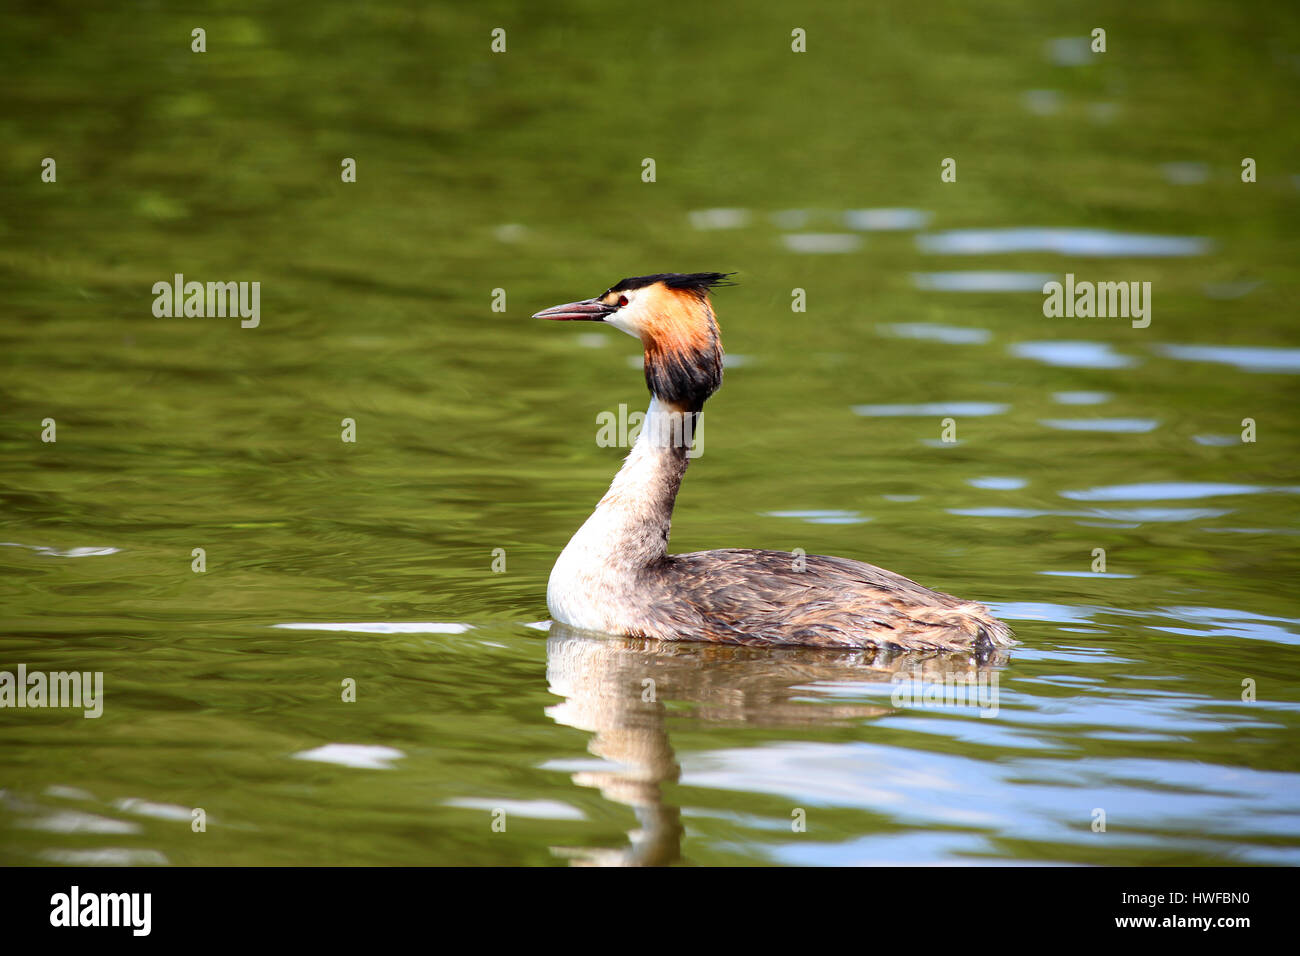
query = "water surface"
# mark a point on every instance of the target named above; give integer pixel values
(1099, 492)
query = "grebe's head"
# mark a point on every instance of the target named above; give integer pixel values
(670, 313)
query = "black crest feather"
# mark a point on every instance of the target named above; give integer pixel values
(698, 282)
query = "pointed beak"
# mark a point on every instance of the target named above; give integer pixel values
(590, 310)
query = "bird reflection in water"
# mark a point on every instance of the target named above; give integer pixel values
(615, 687)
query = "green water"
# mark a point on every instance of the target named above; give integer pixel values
(476, 430)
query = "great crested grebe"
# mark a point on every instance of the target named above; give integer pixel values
(616, 574)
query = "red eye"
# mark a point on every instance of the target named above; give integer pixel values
(622, 301)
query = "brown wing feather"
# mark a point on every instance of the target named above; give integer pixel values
(743, 596)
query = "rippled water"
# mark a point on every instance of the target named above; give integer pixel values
(1098, 490)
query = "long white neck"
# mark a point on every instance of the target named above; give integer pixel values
(628, 531)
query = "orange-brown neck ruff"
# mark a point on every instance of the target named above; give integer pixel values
(683, 351)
